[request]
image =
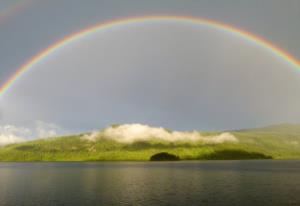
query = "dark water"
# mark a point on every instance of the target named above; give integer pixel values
(150, 183)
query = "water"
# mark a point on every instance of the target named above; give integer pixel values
(151, 183)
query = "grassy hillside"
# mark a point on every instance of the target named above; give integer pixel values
(276, 142)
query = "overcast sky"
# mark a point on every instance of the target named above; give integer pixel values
(163, 73)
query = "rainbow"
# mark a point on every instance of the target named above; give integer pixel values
(280, 53)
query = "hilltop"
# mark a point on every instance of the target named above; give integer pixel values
(139, 143)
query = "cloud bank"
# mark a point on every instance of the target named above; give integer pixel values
(46, 130)
(11, 134)
(129, 133)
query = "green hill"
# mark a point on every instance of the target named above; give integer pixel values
(272, 142)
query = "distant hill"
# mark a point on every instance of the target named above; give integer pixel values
(271, 142)
(280, 128)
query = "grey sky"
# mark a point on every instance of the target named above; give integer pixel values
(166, 74)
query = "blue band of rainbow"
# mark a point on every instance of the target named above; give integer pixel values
(280, 53)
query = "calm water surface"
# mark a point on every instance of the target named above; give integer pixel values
(151, 183)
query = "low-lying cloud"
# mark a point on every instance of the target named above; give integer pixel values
(129, 133)
(10, 134)
(46, 130)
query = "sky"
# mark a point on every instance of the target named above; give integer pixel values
(165, 73)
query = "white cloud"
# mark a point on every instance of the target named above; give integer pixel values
(10, 134)
(94, 136)
(129, 133)
(10, 139)
(46, 130)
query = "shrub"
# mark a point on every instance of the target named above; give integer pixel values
(164, 156)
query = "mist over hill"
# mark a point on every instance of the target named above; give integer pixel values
(130, 133)
(139, 142)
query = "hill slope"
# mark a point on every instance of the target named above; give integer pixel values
(276, 142)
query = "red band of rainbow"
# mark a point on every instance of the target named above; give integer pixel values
(280, 53)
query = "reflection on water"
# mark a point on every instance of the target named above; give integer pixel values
(151, 183)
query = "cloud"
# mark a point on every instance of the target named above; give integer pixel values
(93, 137)
(129, 133)
(10, 134)
(46, 130)
(10, 139)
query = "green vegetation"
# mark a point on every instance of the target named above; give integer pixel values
(164, 156)
(276, 142)
(233, 154)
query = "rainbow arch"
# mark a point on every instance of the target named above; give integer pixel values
(280, 53)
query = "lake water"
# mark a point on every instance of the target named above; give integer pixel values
(151, 183)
